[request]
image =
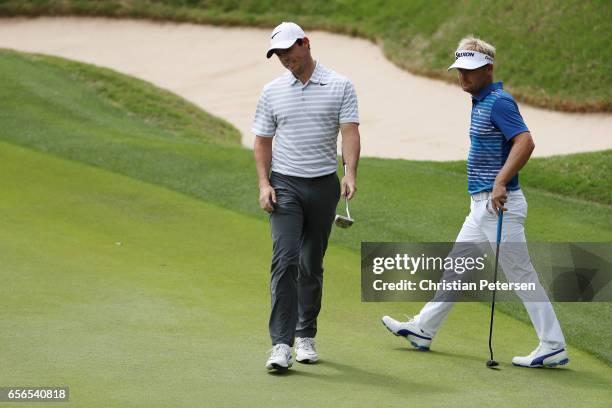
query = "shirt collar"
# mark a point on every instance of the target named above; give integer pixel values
(487, 90)
(316, 77)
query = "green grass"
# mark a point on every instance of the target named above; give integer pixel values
(162, 110)
(137, 296)
(587, 175)
(46, 109)
(178, 270)
(551, 53)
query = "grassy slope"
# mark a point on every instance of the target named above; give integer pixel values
(78, 124)
(176, 315)
(586, 176)
(159, 108)
(532, 37)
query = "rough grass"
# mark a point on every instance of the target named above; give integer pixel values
(584, 176)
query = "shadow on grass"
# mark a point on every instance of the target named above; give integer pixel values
(358, 376)
(567, 373)
(291, 373)
(353, 375)
(578, 378)
(437, 354)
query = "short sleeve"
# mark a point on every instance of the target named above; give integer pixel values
(349, 112)
(506, 117)
(264, 123)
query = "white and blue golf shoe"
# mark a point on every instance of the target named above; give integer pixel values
(543, 356)
(409, 330)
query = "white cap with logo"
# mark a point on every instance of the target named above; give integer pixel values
(283, 37)
(468, 59)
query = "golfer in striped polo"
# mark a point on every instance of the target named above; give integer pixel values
(501, 145)
(302, 110)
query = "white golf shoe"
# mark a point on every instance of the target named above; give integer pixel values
(280, 358)
(305, 350)
(543, 356)
(409, 330)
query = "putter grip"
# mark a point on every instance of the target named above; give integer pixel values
(500, 219)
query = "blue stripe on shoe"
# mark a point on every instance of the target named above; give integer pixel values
(540, 360)
(405, 332)
(421, 348)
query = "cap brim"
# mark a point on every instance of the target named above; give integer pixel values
(465, 63)
(281, 45)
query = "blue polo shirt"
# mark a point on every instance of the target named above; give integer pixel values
(496, 120)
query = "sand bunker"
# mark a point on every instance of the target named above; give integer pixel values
(223, 70)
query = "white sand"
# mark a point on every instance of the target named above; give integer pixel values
(223, 70)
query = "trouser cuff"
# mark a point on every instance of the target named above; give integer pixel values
(306, 333)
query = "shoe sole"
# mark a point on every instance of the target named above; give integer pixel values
(307, 360)
(549, 365)
(412, 343)
(278, 367)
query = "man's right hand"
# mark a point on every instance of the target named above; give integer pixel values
(267, 196)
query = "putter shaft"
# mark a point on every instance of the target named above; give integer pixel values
(499, 230)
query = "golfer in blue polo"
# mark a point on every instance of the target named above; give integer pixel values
(501, 145)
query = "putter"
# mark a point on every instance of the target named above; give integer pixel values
(340, 220)
(500, 217)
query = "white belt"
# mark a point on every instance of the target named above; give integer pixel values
(482, 196)
(486, 195)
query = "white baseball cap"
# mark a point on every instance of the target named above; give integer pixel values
(468, 59)
(283, 37)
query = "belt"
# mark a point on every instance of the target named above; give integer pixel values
(482, 196)
(485, 195)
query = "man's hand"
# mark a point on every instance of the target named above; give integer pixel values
(499, 196)
(351, 146)
(349, 188)
(522, 147)
(267, 196)
(262, 150)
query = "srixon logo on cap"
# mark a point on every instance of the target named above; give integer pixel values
(464, 54)
(474, 55)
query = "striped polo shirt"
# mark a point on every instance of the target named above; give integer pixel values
(305, 119)
(496, 120)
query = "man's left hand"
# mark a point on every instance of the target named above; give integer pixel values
(348, 186)
(499, 196)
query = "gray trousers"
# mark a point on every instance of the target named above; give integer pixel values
(301, 223)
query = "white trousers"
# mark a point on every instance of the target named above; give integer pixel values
(481, 226)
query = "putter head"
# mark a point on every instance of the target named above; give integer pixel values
(492, 363)
(343, 221)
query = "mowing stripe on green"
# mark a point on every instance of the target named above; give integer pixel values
(176, 314)
(77, 111)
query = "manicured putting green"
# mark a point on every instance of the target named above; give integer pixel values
(109, 120)
(135, 295)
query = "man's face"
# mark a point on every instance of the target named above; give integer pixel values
(295, 57)
(474, 80)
